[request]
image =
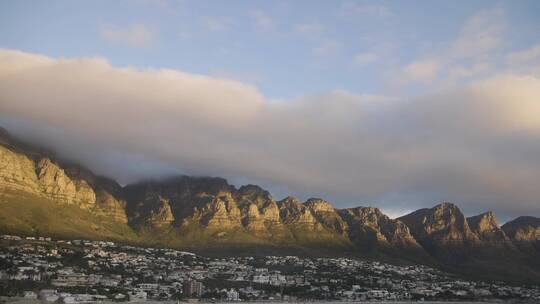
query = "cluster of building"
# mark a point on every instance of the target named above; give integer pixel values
(82, 271)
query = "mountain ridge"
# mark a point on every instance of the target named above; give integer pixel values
(207, 212)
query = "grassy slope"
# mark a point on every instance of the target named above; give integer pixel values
(28, 215)
(25, 214)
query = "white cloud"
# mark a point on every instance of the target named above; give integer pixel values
(467, 56)
(476, 145)
(425, 70)
(461, 71)
(137, 35)
(363, 59)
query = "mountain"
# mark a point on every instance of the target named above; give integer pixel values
(443, 231)
(40, 195)
(486, 227)
(43, 195)
(524, 232)
(523, 229)
(475, 247)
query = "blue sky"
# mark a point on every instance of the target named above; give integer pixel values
(287, 49)
(399, 104)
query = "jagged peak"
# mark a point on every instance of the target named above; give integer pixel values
(249, 188)
(487, 216)
(445, 209)
(318, 204)
(253, 192)
(521, 222)
(446, 206)
(289, 200)
(362, 211)
(370, 209)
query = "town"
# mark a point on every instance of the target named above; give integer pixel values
(84, 271)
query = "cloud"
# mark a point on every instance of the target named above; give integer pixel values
(363, 59)
(244, 77)
(467, 56)
(425, 70)
(531, 55)
(482, 33)
(137, 35)
(477, 145)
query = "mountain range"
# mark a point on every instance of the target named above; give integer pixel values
(43, 195)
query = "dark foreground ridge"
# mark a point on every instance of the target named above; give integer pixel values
(43, 196)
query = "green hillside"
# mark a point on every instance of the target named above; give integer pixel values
(24, 214)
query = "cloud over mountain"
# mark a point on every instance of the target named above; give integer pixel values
(477, 144)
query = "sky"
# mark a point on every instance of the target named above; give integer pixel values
(398, 105)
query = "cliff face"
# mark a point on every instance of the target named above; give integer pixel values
(524, 232)
(259, 211)
(324, 213)
(487, 229)
(204, 211)
(369, 227)
(523, 229)
(444, 232)
(30, 172)
(217, 208)
(443, 224)
(17, 172)
(58, 186)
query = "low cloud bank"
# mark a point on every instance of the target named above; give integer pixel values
(477, 145)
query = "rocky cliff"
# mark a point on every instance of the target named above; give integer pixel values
(486, 227)
(523, 229)
(200, 212)
(369, 226)
(443, 231)
(524, 232)
(28, 171)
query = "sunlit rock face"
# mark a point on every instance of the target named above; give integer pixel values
(368, 226)
(443, 224)
(202, 212)
(443, 231)
(293, 212)
(487, 229)
(523, 229)
(27, 171)
(17, 172)
(325, 213)
(58, 186)
(259, 211)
